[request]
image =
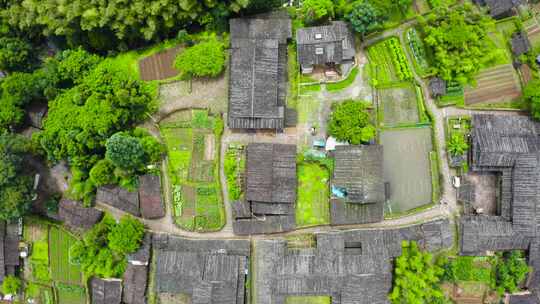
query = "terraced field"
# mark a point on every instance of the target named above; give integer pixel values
(497, 84)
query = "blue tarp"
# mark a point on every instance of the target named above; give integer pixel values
(338, 192)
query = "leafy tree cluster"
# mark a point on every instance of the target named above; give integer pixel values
(350, 122)
(531, 95)
(81, 119)
(15, 184)
(457, 145)
(102, 251)
(106, 25)
(11, 285)
(460, 42)
(205, 59)
(510, 270)
(20, 89)
(127, 155)
(416, 277)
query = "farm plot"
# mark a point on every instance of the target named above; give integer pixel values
(313, 206)
(192, 139)
(159, 66)
(388, 62)
(533, 31)
(399, 105)
(494, 85)
(61, 269)
(407, 168)
(70, 294)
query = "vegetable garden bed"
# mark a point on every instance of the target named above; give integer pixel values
(388, 62)
(193, 141)
(62, 270)
(313, 207)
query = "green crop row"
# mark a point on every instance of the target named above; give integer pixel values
(399, 60)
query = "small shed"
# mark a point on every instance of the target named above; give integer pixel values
(106, 291)
(76, 216)
(150, 199)
(437, 87)
(520, 44)
(119, 198)
(36, 113)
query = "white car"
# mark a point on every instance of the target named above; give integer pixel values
(456, 181)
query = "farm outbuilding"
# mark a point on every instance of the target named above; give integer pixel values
(437, 87)
(106, 291)
(209, 271)
(508, 146)
(325, 45)
(520, 43)
(353, 266)
(150, 197)
(500, 8)
(358, 173)
(119, 198)
(270, 190)
(76, 216)
(258, 72)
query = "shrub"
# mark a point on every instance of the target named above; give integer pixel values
(457, 144)
(205, 59)
(510, 270)
(350, 122)
(11, 285)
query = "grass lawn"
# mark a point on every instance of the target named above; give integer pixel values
(308, 300)
(61, 269)
(313, 206)
(345, 82)
(193, 169)
(401, 105)
(308, 110)
(70, 294)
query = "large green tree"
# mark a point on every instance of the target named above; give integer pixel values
(125, 152)
(15, 182)
(103, 24)
(460, 42)
(350, 122)
(416, 277)
(365, 17)
(510, 270)
(317, 11)
(15, 54)
(100, 252)
(205, 59)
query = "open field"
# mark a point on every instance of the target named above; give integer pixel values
(159, 66)
(494, 85)
(69, 294)
(398, 105)
(61, 269)
(308, 300)
(193, 167)
(313, 207)
(407, 167)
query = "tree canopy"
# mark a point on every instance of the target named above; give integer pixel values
(317, 11)
(14, 54)
(101, 252)
(460, 42)
(11, 285)
(15, 183)
(205, 59)
(108, 25)
(416, 277)
(350, 122)
(510, 270)
(365, 18)
(531, 94)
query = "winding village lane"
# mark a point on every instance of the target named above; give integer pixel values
(447, 207)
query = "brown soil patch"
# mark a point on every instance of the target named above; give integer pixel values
(498, 84)
(485, 191)
(209, 147)
(159, 66)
